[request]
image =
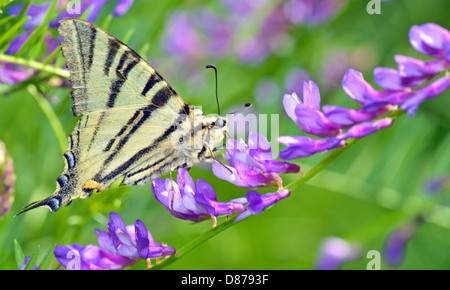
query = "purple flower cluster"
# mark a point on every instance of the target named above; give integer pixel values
(334, 124)
(251, 165)
(121, 246)
(13, 73)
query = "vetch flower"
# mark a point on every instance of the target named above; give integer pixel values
(186, 200)
(90, 257)
(302, 146)
(252, 165)
(256, 202)
(307, 115)
(121, 246)
(7, 180)
(334, 252)
(133, 241)
(431, 39)
(394, 250)
(25, 262)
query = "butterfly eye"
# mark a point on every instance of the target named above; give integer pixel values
(180, 140)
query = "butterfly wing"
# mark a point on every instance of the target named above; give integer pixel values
(129, 114)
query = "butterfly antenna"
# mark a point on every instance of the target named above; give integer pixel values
(217, 97)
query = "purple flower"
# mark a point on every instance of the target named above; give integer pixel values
(121, 247)
(347, 117)
(133, 241)
(431, 39)
(364, 129)
(90, 257)
(361, 91)
(301, 146)
(395, 245)
(25, 262)
(414, 99)
(252, 165)
(334, 252)
(11, 73)
(256, 203)
(436, 184)
(411, 72)
(192, 202)
(307, 114)
(333, 120)
(402, 85)
(122, 7)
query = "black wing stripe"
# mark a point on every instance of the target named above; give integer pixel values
(112, 51)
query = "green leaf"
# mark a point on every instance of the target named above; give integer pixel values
(7, 37)
(18, 252)
(33, 260)
(39, 32)
(45, 263)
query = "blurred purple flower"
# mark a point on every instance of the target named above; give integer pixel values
(79, 8)
(11, 73)
(436, 184)
(394, 249)
(294, 80)
(133, 241)
(192, 202)
(25, 262)
(36, 11)
(256, 203)
(90, 257)
(7, 180)
(311, 11)
(252, 165)
(431, 39)
(243, 7)
(192, 36)
(122, 7)
(334, 252)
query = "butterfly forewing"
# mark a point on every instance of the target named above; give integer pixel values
(129, 117)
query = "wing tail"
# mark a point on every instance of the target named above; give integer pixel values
(52, 202)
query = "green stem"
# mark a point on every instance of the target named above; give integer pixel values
(194, 243)
(35, 64)
(51, 116)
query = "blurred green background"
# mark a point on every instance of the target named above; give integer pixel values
(372, 189)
